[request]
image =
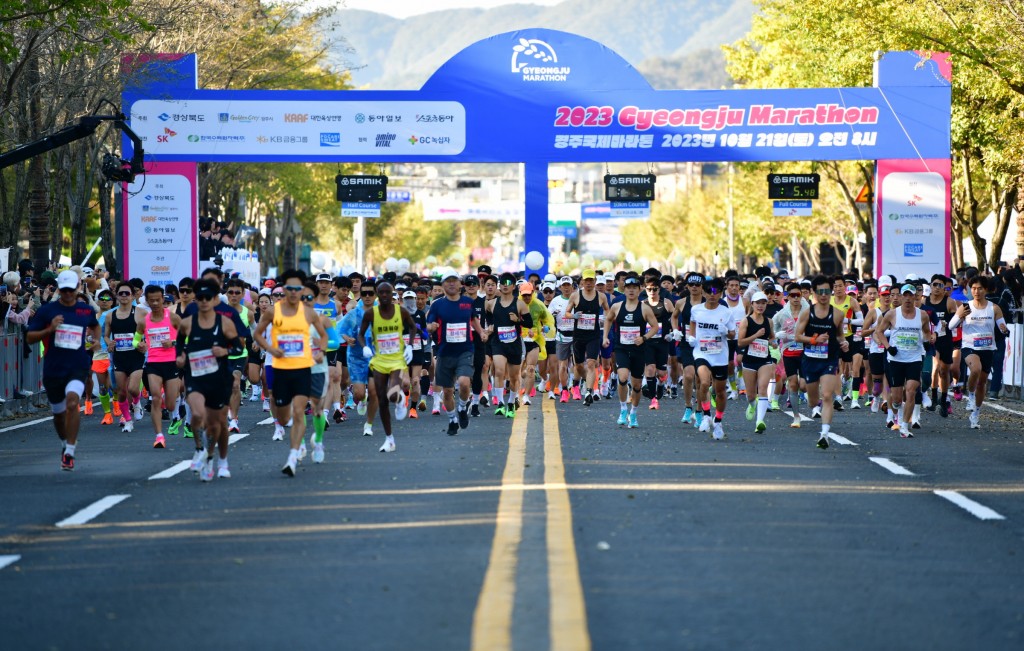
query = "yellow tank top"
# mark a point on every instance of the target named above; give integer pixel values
(291, 335)
(845, 308)
(387, 337)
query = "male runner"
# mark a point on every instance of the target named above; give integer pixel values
(820, 331)
(630, 317)
(711, 326)
(980, 318)
(584, 307)
(902, 333)
(506, 314)
(681, 320)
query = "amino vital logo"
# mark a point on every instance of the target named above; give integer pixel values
(385, 139)
(534, 51)
(913, 250)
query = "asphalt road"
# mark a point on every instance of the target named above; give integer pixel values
(557, 529)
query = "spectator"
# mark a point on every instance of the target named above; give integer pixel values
(13, 282)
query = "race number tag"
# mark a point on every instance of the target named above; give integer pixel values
(202, 362)
(629, 334)
(565, 324)
(758, 348)
(587, 322)
(387, 343)
(455, 333)
(712, 346)
(123, 341)
(817, 351)
(68, 336)
(907, 340)
(157, 336)
(982, 341)
(291, 345)
(506, 334)
(858, 334)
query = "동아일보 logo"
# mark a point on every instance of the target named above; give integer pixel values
(533, 59)
(330, 139)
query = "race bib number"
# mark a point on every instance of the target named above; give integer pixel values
(388, 343)
(157, 336)
(68, 336)
(587, 321)
(712, 346)
(758, 348)
(982, 341)
(817, 351)
(291, 345)
(907, 341)
(202, 362)
(565, 324)
(858, 334)
(455, 333)
(940, 329)
(123, 341)
(506, 334)
(629, 334)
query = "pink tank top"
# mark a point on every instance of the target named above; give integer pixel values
(158, 332)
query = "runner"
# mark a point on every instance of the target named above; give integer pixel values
(159, 329)
(237, 360)
(941, 308)
(358, 366)
(629, 317)
(451, 318)
(62, 326)
(386, 321)
(585, 306)
(472, 286)
(656, 362)
(507, 313)
(902, 333)
(876, 353)
(680, 321)
(549, 365)
(292, 356)
(119, 333)
(203, 344)
(564, 328)
(534, 347)
(736, 304)
(980, 318)
(820, 331)
(711, 326)
(756, 335)
(784, 323)
(325, 305)
(101, 359)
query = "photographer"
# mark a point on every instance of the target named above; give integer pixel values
(19, 304)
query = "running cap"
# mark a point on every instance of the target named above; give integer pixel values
(601, 280)
(526, 288)
(631, 281)
(265, 291)
(565, 280)
(408, 294)
(483, 270)
(269, 283)
(783, 274)
(449, 273)
(507, 278)
(767, 279)
(87, 272)
(550, 286)
(326, 277)
(206, 288)
(694, 278)
(589, 273)
(470, 279)
(908, 289)
(805, 282)
(549, 278)
(912, 278)
(67, 279)
(851, 289)
(758, 296)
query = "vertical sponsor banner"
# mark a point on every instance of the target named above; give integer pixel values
(913, 217)
(161, 224)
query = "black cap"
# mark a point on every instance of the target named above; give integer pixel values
(507, 278)
(483, 270)
(694, 278)
(470, 279)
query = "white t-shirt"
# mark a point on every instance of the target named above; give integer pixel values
(712, 333)
(557, 307)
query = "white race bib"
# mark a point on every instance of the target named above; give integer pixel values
(587, 321)
(711, 346)
(202, 362)
(455, 333)
(123, 341)
(388, 343)
(758, 348)
(157, 336)
(817, 351)
(291, 345)
(68, 336)
(506, 334)
(629, 334)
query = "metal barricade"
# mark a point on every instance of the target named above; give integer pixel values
(21, 379)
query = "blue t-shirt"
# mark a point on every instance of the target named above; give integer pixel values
(65, 349)
(454, 325)
(225, 311)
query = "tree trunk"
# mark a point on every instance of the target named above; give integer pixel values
(38, 199)
(106, 224)
(1003, 209)
(956, 243)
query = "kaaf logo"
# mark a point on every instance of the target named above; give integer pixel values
(296, 117)
(534, 51)
(168, 134)
(148, 219)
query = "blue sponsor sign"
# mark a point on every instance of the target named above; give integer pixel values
(790, 208)
(360, 209)
(399, 196)
(569, 232)
(913, 250)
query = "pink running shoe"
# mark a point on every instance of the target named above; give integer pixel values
(564, 397)
(576, 393)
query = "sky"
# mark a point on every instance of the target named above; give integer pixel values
(406, 8)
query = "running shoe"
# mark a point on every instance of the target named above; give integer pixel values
(233, 426)
(187, 431)
(207, 471)
(302, 450)
(516, 403)
(751, 410)
(816, 412)
(278, 432)
(874, 405)
(87, 409)
(775, 405)
(127, 425)
(915, 424)
(367, 429)
(718, 434)
(318, 453)
(823, 442)
(895, 426)
(837, 404)
(623, 416)
(401, 411)
(223, 472)
(926, 402)
(588, 399)
(597, 396)
(494, 401)
(905, 431)
(138, 412)
(266, 405)
(500, 409)
(422, 404)
(361, 408)
(958, 394)
(731, 394)
(526, 400)
(632, 421)
(67, 462)
(760, 427)
(796, 424)
(436, 411)
(510, 411)
(464, 418)
(453, 428)
(413, 414)
(350, 403)
(705, 425)
(970, 403)
(674, 392)
(533, 392)
(254, 396)
(198, 459)
(576, 393)
(117, 408)
(687, 415)
(565, 396)
(552, 396)
(339, 416)
(855, 404)
(474, 410)
(289, 466)
(654, 404)
(173, 428)
(389, 445)
(108, 419)
(164, 414)
(698, 419)
(975, 421)
(945, 410)
(159, 442)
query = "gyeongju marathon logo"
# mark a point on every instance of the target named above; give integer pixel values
(532, 58)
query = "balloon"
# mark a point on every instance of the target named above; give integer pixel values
(534, 260)
(431, 260)
(403, 265)
(390, 264)
(573, 260)
(318, 259)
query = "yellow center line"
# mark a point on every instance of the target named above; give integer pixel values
(568, 613)
(492, 620)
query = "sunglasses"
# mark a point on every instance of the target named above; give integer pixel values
(823, 292)
(124, 293)
(184, 290)
(937, 285)
(307, 298)
(796, 295)
(294, 288)
(204, 297)
(549, 291)
(278, 294)
(106, 297)
(367, 293)
(235, 292)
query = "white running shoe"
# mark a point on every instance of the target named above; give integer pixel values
(302, 450)
(289, 466)
(855, 404)
(401, 411)
(206, 473)
(816, 412)
(874, 405)
(970, 402)
(318, 453)
(197, 460)
(705, 425)
(975, 421)
(233, 426)
(278, 432)
(128, 426)
(367, 429)
(223, 472)
(719, 433)
(389, 444)
(266, 405)
(138, 411)
(905, 431)
(551, 395)
(255, 397)
(361, 408)
(526, 399)
(926, 400)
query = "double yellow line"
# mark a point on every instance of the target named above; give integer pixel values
(492, 620)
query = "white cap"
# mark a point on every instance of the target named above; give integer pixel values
(549, 278)
(565, 280)
(67, 279)
(758, 296)
(601, 279)
(87, 272)
(408, 294)
(547, 285)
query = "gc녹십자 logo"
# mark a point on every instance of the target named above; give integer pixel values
(529, 57)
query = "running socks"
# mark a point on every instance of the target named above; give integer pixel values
(105, 401)
(319, 425)
(762, 407)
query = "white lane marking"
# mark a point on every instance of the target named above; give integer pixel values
(8, 560)
(182, 466)
(91, 511)
(28, 424)
(891, 466)
(986, 404)
(841, 440)
(266, 421)
(979, 511)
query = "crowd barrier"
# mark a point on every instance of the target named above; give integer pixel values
(21, 382)
(1013, 361)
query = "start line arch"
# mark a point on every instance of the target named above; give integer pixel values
(540, 96)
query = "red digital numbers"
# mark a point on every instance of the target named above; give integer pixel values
(584, 116)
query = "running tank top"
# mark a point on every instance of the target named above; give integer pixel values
(291, 335)
(738, 311)
(387, 337)
(586, 322)
(874, 347)
(158, 332)
(759, 347)
(200, 360)
(819, 326)
(122, 331)
(663, 316)
(630, 325)
(940, 316)
(504, 328)
(329, 310)
(979, 328)
(906, 336)
(844, 307)
(243, 314)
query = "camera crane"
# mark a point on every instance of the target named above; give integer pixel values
(114, 168)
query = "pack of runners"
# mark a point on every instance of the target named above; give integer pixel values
(325, 347)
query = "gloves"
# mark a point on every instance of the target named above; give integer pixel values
(408, 354)
(675, 335)
(367, 352)
(892, 350)
(692, 341)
